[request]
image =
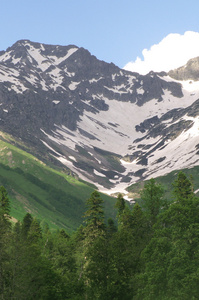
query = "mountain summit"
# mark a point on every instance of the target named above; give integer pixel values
(109, 126)
(188, 72)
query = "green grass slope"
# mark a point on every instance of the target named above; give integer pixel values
(47, 193)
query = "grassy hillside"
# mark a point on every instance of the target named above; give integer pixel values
(51, 195)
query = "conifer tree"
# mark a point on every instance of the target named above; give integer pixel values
(120, 205)
(111, 228)
(35, 232)
(171, 259)
(4, 203)
(183, 187)
(94, 267)
(27, 221)
(152, 199)
(94, 215)
(5, 230)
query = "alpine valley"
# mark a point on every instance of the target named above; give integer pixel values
(105, 125)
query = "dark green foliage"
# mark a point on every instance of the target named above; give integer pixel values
(5, 232)
(35, 232)
(152, 199)
(183, 187)
(111, 228)
(94, 216)
(171, 257)
(126, 247)
(4, 202)
(27, 221)
(153, 254)
(120, 204)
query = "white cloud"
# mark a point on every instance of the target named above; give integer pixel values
(172, 52)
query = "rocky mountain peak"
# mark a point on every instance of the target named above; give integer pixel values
(110, 126)
(188, 72)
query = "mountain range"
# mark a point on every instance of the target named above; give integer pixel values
(103, 124)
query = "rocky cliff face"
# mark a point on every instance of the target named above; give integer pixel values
(109, 126)
(188, 72)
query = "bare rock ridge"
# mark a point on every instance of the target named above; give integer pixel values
(109, 126)
(188, 72)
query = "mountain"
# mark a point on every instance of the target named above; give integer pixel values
(109, 126)
(188, 72)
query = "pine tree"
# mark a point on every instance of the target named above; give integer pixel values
(183, 187)
(27, 221)
(171, 258)
(152, 199)
(111, 228)
(35, 232)
(94, 215)
(120, 205)
(94, 267)
(5, 231)
(4, 203)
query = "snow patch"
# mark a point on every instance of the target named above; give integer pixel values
(50, 147)
(140, 91)
(98, 173)
(56, 101)
(73, 158)
(95, 80)
(64, 161)
(73, 85)
(57, 61)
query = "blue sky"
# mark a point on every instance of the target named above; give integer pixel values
(113, 30)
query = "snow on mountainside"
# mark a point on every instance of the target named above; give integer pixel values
(110, 126)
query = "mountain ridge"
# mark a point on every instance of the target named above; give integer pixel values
(188, 72)
(109, 126)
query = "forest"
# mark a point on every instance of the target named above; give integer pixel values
(152, 252)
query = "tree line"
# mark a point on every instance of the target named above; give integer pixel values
(151, 253)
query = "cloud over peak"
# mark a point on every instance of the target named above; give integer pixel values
(172, 52)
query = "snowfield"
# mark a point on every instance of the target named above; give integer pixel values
(121, 138)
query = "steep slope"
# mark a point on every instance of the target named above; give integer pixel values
(109, 126)
(48, 194)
